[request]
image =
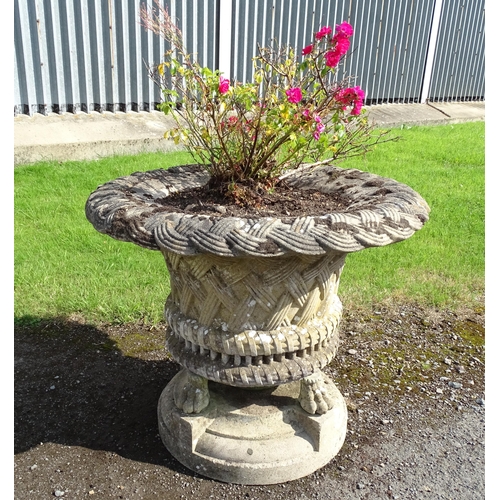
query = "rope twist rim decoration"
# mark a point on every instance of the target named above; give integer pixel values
(382, 211)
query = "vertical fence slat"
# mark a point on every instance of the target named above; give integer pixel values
(101, 55)
(467, 74)
(73, 100)
(477, 76)
(85, 62)
(436, 19)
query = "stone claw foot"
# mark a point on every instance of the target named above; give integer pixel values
(191, 393)
(316, 393)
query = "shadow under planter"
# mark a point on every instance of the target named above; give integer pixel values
(253, 315)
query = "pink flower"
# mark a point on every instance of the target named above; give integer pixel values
(223, 85)
(344, 28)
(231, 122)
(307, 50)
(320, 127)
(342, 44)
(356, 110)
(332, 58)
(294, 95)
(354, 97)
(326, 30)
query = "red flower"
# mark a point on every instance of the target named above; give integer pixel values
(294, 95)
(326, 30)
(307, 50)
(223, 85)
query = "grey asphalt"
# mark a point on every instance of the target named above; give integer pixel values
(89, 136)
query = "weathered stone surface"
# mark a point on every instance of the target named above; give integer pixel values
(252, 436)
(191, 392)
(254, 304)
(253, 321)
(317, 393)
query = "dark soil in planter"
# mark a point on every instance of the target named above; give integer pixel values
(413, 379)
(250, 201)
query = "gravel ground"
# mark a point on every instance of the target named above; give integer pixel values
(413, 379)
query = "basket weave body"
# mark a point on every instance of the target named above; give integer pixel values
(250, 321)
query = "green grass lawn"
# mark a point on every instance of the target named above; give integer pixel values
(443, 264)
(64, 267)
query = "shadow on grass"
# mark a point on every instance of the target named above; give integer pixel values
(74, 387)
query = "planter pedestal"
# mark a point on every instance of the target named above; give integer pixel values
(252, 436)
(252, 405)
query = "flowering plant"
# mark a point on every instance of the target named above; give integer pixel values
(293, 112)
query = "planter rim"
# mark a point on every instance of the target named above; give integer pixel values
(383, 211)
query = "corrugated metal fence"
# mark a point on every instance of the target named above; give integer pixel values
(92, 55)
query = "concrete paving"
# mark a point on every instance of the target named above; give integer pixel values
(89, 136)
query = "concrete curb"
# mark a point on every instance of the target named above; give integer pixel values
(397, 115)
(91, 136)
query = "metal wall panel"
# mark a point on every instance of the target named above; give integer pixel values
(459, 66)
(92, 55)
(395, 59)
(263, 22)
(387, 57)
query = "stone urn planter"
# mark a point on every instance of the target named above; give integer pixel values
(253, 315)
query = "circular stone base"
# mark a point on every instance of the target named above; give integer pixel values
(252, 436)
